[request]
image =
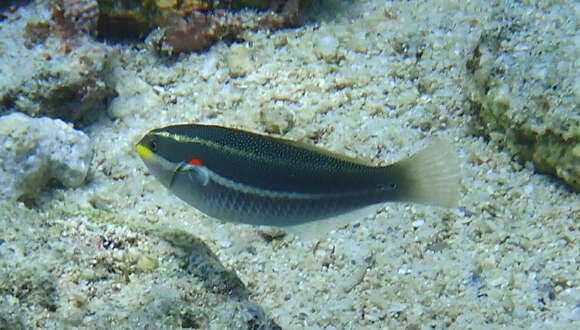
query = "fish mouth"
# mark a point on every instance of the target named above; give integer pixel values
(144, 152)
(164, 170)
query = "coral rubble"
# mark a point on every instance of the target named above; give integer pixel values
(36, 33)
(38, 151)
(85, 268)
(53, 80)
(74, 97)
(76, 16)
(193, 25)
(524, 90)
(198, 31)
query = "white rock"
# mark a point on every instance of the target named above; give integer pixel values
(239, 60)
(326, 47)
(209, 66)
(133, 95)
(418, 223)
(36, 151)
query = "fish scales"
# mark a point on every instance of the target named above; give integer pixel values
(244, 177)
(264, 162)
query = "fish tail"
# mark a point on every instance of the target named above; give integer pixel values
(431, 176)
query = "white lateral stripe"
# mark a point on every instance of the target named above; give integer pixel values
(218, 179)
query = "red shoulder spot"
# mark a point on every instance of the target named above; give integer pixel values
(195, 162)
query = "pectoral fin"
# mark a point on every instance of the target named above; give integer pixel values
(197, 174)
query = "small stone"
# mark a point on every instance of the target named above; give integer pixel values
(133, 95)
(271, 233)
(576, 151)
(239, 60)
(418, 223)
(209, 66)
(166, 4)
(277, 120)
(326, 48)
(408, 97)
(146, 264)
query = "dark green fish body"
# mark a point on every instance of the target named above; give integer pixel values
(238, 176)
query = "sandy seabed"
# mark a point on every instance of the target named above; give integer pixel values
(374, 80)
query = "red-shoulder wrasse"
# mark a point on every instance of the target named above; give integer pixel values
(243, 177)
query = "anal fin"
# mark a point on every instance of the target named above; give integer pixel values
(315, 230)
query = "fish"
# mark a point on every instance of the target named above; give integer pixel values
(244, 177)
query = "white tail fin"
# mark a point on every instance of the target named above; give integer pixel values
(432, 175)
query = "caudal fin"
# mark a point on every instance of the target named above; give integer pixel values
(432, 176)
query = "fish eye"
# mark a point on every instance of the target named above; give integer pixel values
(389, 187)
(153, 146)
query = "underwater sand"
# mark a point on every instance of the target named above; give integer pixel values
(376, 80)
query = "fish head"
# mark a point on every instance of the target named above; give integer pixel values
(152, 150)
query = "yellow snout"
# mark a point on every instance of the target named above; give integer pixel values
(143, 151)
